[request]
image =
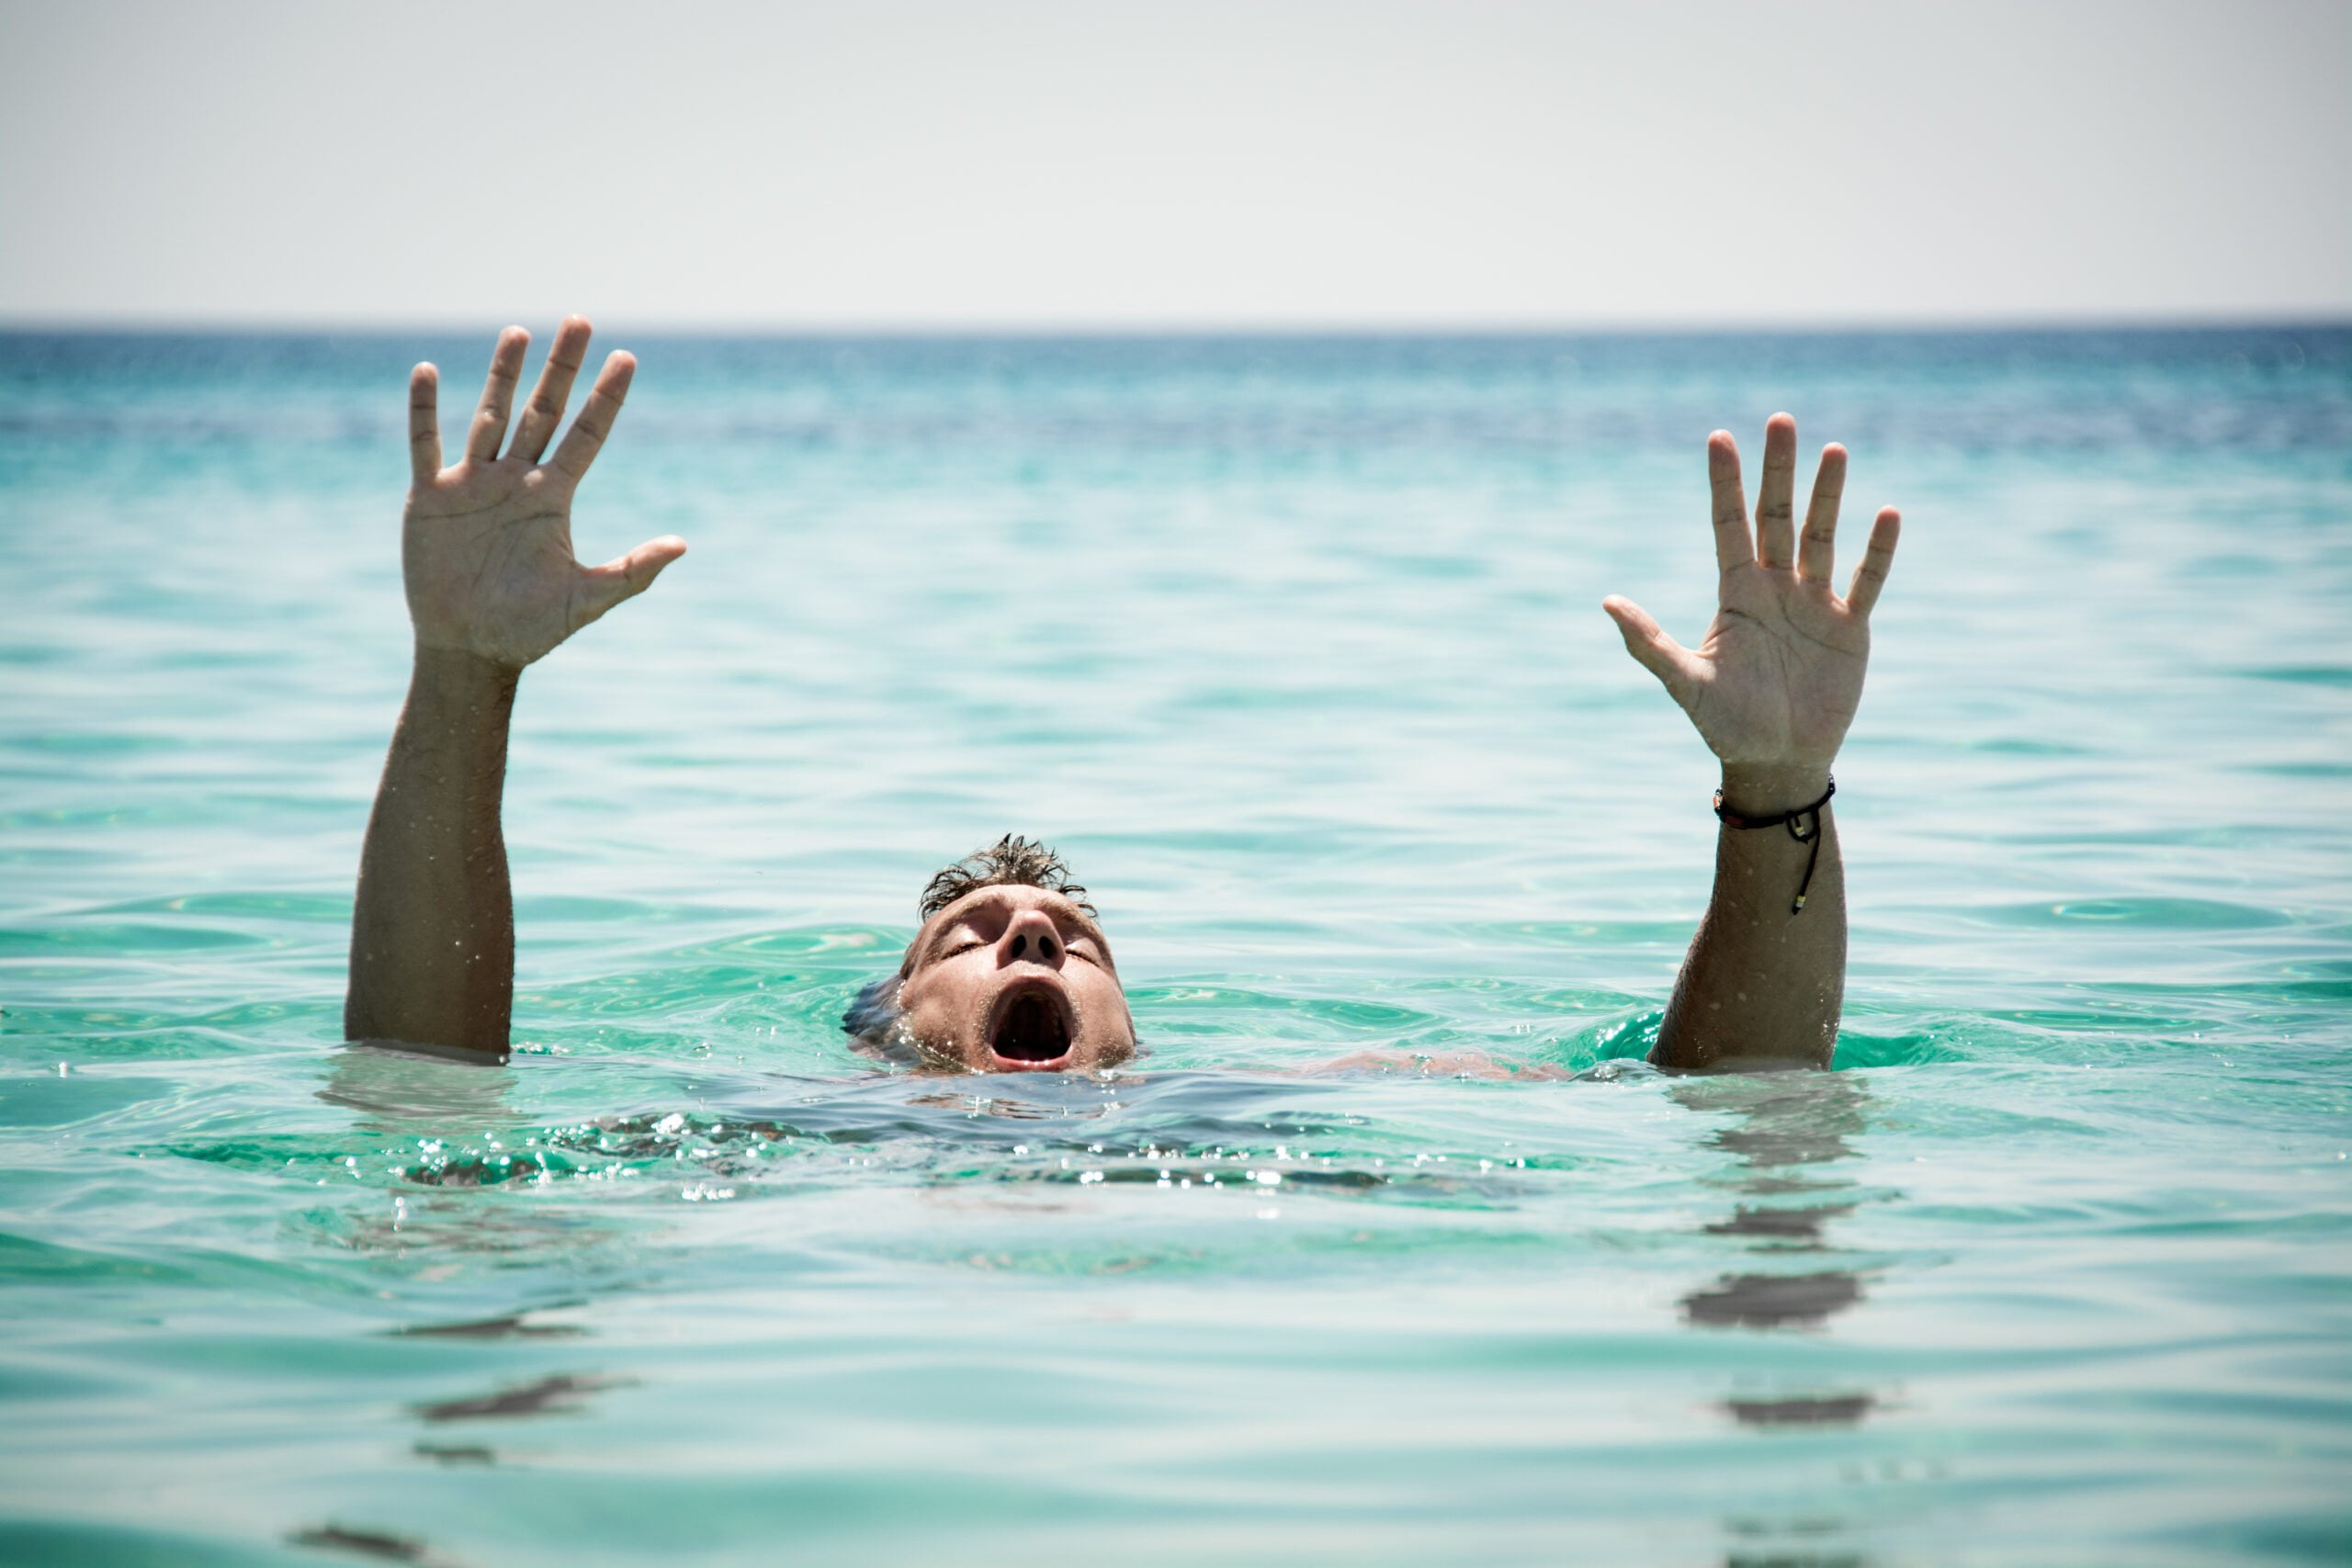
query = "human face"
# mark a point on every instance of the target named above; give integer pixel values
(1015, 980)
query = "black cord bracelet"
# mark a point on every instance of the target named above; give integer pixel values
(1804, 825)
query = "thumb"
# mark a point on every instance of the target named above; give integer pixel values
(1647, 642)
(626, 577)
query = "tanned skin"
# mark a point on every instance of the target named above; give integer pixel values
(1771, 688)
(492, 587)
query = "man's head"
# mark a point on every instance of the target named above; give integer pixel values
(1009, 972)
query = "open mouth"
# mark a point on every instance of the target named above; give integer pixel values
(1031, 1028)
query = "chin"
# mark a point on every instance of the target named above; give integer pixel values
(1080, 1058)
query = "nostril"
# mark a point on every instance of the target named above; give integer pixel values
(1020, 943)
(1046, 947)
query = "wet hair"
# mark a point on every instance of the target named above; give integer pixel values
(873, 1018)
(1012, 861)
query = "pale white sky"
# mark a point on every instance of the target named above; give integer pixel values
(1268, 162)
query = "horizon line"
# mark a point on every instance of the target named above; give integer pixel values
(255, 325)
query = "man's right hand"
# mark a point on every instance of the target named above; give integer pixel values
(486, 543)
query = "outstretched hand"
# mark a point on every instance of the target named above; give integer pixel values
(1776, 680)
(486, 543)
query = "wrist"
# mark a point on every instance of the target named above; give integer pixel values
(462, 674)
(1765, 789)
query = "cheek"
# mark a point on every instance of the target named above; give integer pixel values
(1104, 1006)
(932, 1016)
(921, 1007)
(933, 983)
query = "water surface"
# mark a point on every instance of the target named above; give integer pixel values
(1293, 645)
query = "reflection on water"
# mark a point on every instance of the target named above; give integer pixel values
(378, 1545)
(562, 1394)
(1838, 1410)
(455, 1454)
(1793, 1229)
(1787, 1128)
(1795, 1555)
(395, 1089)
(1788, 1134)
(1774, 1300)
(509, 1328)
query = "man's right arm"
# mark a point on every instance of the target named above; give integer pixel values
(432, 929)
(493, 586)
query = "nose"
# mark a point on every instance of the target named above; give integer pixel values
(1030, 938)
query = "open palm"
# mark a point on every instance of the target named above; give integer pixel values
(486, 543)
(1777, 678)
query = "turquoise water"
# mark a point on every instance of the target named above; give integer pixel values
(1293, 646)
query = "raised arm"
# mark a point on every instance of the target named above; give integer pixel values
(1771, 689)
(492, 585)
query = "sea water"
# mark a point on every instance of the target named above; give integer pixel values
(1293, 646)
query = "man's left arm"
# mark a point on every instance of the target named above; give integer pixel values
(1773, 690)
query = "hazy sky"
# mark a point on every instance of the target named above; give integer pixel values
(920, 163)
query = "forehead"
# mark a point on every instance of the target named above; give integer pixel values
(1002, 902)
